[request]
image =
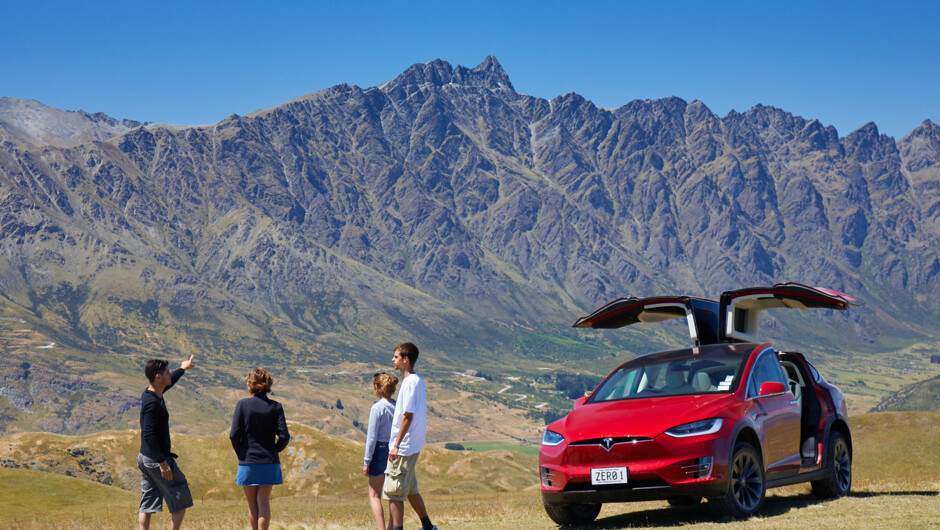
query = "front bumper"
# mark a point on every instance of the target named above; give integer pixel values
(659, 468)
(642, 491)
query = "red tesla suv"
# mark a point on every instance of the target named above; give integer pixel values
(724, 420)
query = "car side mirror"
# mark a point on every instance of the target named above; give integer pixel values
(580, 401)
(772, 387)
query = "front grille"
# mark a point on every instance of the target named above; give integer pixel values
(608, 443)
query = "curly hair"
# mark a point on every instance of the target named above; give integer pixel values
(259, 381)
(385, 384)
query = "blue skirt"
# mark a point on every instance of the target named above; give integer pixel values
(259, 475)
(379, 459)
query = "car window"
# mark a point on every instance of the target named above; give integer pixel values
(767, 368)
(812, 370)
(621, 385)
(709, 369)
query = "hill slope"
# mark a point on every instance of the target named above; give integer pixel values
(921, 396)
(314, 463)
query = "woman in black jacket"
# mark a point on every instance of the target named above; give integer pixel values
(259, 433)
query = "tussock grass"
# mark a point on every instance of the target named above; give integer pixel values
(895, 485)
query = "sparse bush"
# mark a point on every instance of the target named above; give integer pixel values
(552, 415)
(575, 385)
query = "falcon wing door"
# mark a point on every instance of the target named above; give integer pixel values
(740, 309)
(626, 311)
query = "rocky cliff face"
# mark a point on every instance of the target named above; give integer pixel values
(444, 206)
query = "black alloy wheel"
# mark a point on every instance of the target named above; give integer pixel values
(746, 488)
(838, 481)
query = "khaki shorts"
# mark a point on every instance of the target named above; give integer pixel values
(400, 478)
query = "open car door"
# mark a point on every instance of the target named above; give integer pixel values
(740, 309)
(700, 314)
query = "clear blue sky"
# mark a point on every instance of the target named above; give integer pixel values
(196, 62)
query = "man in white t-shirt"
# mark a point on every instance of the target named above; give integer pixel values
(409, 428)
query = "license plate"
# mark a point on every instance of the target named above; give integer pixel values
(609, 475)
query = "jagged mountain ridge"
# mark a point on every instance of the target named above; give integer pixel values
(30, 123)
(443, 205)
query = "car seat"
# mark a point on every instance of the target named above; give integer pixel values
(702, 383)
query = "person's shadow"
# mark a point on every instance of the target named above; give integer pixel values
(667, 516)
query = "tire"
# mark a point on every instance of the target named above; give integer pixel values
(684, 501)
(746, 487)
(838, 480)
(572, 513)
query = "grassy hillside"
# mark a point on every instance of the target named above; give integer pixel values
(324, 489)
(57, 495)
(314, 463)
(924, 395)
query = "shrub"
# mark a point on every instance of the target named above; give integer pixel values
(575, 385)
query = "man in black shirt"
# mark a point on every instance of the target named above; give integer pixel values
(160, 477)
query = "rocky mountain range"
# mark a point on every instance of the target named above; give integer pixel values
(445, 207)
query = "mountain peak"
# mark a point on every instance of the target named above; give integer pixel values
(927, 129)
(492, 72)
(868, 129)
(488, 74)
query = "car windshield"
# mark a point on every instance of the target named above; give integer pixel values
(705, 370)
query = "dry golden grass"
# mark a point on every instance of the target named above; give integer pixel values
(873, 508)
(896, 485)
(314, 463)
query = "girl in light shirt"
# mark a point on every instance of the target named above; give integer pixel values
(376, 454)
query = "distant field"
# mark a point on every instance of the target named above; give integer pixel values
(896, 484)
(501, 445)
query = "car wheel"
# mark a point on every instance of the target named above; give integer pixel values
(746, 490)
(838, 460)
(572, 513)
(684, 501)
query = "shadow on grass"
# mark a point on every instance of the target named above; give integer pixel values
(868, 494)
(774, 506)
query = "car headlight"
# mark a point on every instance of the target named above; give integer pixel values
(696, 428)
(552, 438)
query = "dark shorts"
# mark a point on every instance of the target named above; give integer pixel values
(379, 459)
(259, 475)
(154, 489)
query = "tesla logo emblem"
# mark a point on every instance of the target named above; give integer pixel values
(607, 443)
